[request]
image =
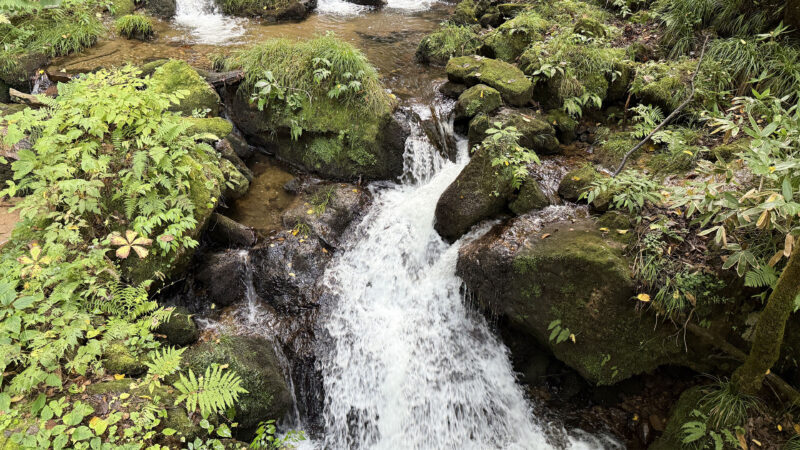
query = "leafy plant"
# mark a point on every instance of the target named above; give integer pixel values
(135, 26)
(213, 392)
(629, 190)
(267, 439)
(559, 333)
(502, 144)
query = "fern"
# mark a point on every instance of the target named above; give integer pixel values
(762, 276)
(214, 392)
(164, 362)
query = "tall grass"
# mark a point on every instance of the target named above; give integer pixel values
(448, 41)
(760, 63)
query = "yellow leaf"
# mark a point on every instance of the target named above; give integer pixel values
(643, 298)
(124, 396)
(796, 428)
(780, 428)
(291, 274)
(294, 232)
(603, 229)
(224, 366)
(572, 338)
(688, 152)
(772, 169)
(546, 235)
(355, 190)
(310, 211)
(118, 376)
(576, 178)
(622, 231)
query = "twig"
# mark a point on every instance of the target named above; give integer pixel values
(669, 117)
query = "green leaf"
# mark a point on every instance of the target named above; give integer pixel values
(168, 431)
(79, 411)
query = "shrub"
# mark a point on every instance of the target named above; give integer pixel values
(448, 41)
(135, 26)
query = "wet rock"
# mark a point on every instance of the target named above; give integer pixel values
(220, 278)
(464, 13)
(477, 99)
(254, 360)
(178, 75)
(478, 193)
(373, 3)
(240, 146)
(225, 148)
(269, 10)
(286, 270)
(452, 90)
(577, 181)
(327, 210)
(564, 125)
(24, 99)
(118, 359)
(227, 232)
(537, 134)
(164, 9)
(180, 330)
(512, 84)
(567, 275)
(530, 198)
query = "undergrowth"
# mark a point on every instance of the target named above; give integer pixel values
(134, 26)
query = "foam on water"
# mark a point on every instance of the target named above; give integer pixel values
(205, 23)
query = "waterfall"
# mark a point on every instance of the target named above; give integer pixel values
(206, 24)
(343, 7)
(407, 363)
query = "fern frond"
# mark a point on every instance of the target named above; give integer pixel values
(212, 393)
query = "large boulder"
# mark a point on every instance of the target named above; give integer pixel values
(178, 75)
(164, 9)
(327, 209)
(512, 84)
(477, 99)
(254, 360)
(478, 193)
(221, 277)
(536, 134)
(531, 197)
(180, 329)
(269, 10)
(570, 290)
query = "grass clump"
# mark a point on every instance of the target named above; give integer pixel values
(135, 26)
(511, 38)
(448, 41)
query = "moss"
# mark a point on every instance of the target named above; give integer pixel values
(446, 42)
(236, 184)
(254, 361)
(512, 84)
(510, 39)
(680, 414)
(537, 134)
(270, 10)
(610, 152)
(180, 329)
(124, 7)
(530, 198)
(178, 75)
(590, 28)
(217, 126)
(666, 84)
(477, 99)
(118, 359)
(464, 13)
(576, 181)
(729, 152)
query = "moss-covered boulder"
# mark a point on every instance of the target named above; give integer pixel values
(512, 84)
(118, 359)
(589, 27)
(510, 39)
(478, 193)
(124, 7)
(666, 84)
(18, 71)
(217, 126)
(570, 290)
(178, 75)
(577, 181)
(447, 41)
(180, 330)
(464, 13)
(565, 125)
(269, 10)
(350, 135)
(475, 100)
(253, 359)
(531, 197)
(236, 184)
(536, 134)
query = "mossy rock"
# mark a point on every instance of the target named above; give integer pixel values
(217, 126)
(464, 13)
(728, 152)
(164, 9)
(124, 7)
(511, 38)
(253, 359)
(619, 84)
(537, 134)
(530, 198)
(270, 10)
(448, 41)
(611, 151)
(150, 67)
(576, 181)
(478, 193)
(512, 84)
(475, 100)
(23, 67)
(118, 359)
(666, 84)
(680, 413)
(178, 75)
(564, 124)
(574, 279)
(511, 9)
(589, 28)
(180, 330)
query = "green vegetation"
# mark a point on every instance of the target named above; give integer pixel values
(502, 144)
(448, 41)
(135, 26)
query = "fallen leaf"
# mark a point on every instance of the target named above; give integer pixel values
(118, 376)
(546, 235)
(124, 396)
(603, 229)
(643, 297)
(622, 231)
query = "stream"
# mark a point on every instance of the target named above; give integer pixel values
(406, 362)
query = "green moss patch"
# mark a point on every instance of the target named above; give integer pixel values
(512, 84)
(448, 41)
(510, 39)
(178, 75)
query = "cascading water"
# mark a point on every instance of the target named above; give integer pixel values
(206, 24)
(407, 364)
